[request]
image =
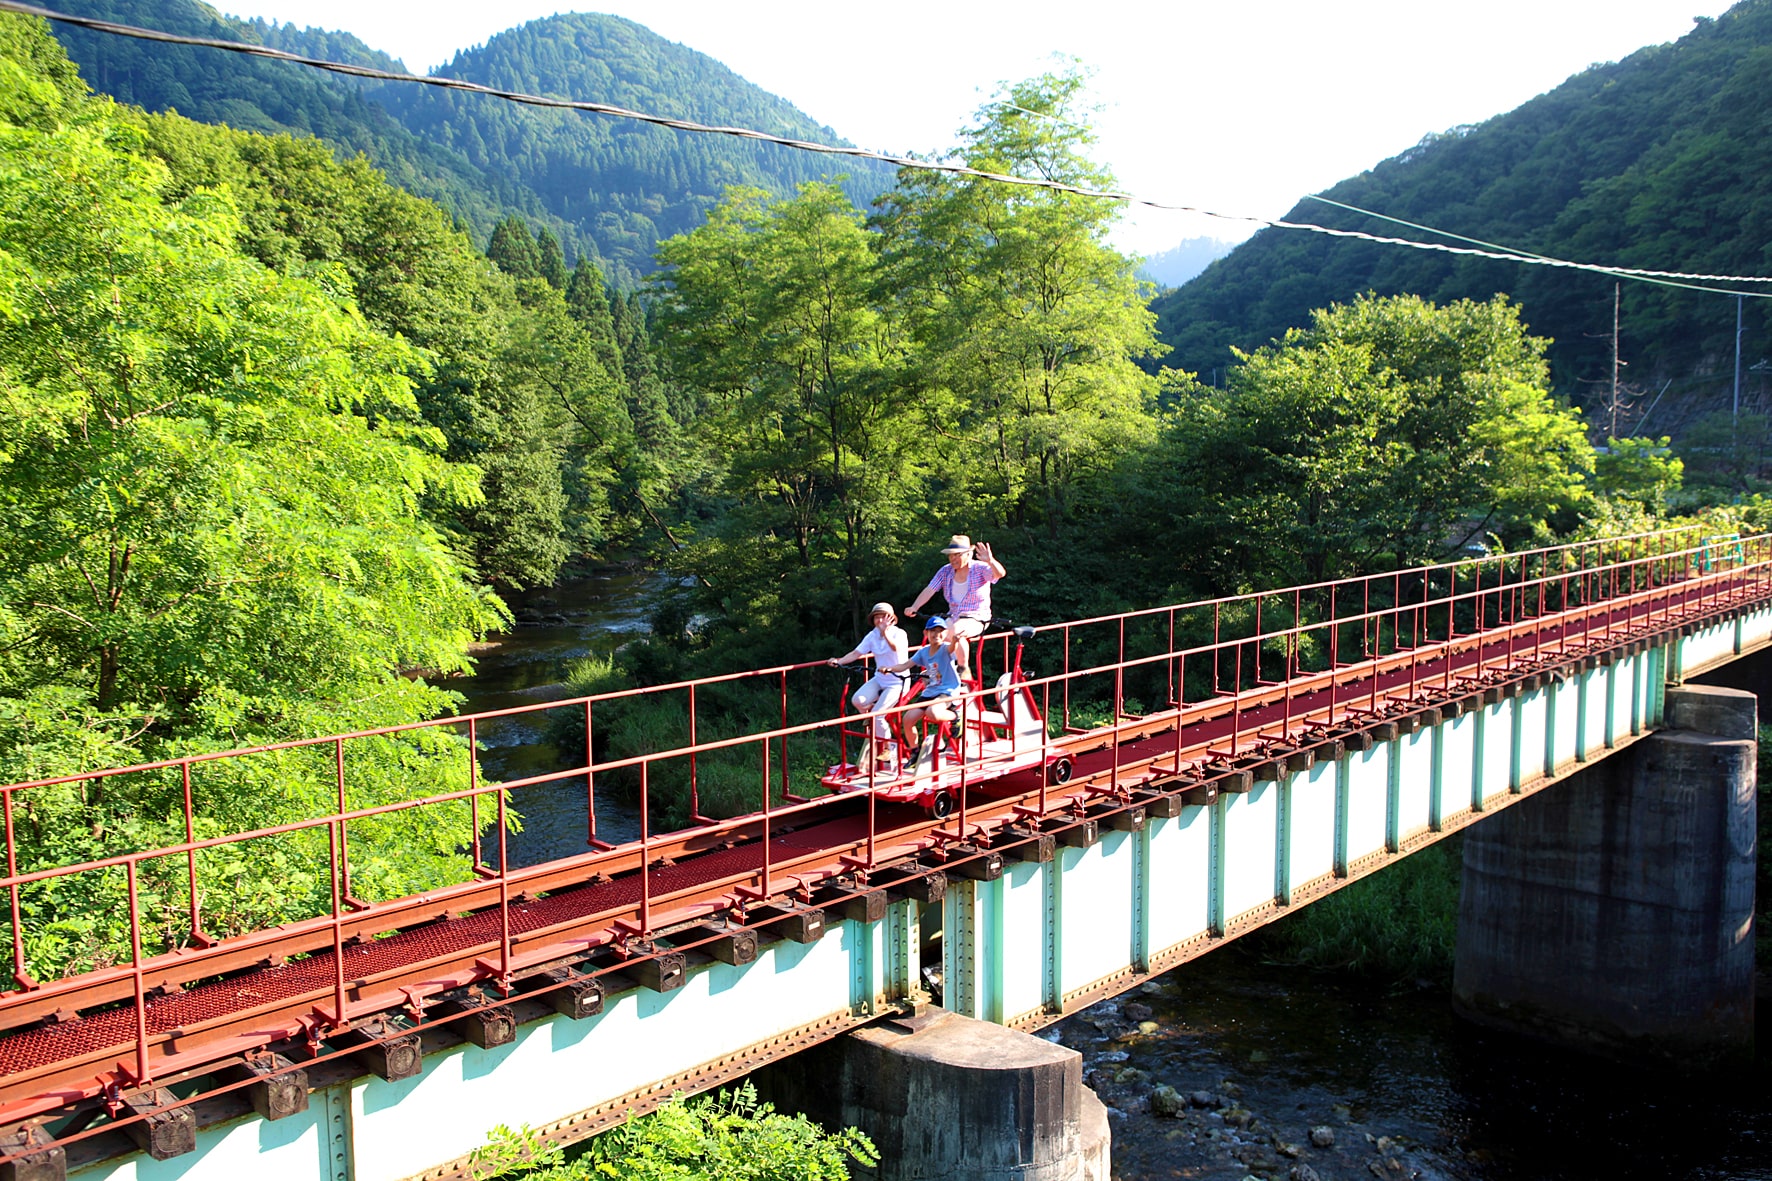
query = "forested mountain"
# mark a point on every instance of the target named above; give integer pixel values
(628, 185)
(255, 95)
(1657, 161)
(605, 187)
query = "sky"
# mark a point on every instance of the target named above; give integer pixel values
(1236, 107)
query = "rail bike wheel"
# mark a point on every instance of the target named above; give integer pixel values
(1059, 770)
(942, 805)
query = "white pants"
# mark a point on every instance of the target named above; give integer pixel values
(880, 692)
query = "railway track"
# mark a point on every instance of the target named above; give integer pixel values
(612, 912)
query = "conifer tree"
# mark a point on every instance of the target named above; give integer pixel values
(587, 298)
(550, 260)
(514, 250)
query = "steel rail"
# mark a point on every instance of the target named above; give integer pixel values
(388, 989)
(1674, 591)
(191, 847)
(1292, 632)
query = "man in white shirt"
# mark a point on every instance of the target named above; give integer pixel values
(889, 647)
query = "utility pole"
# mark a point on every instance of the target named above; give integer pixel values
(1612, 431)
(1736, 413)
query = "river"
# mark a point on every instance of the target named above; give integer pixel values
(593, 615)
(1259, 1055)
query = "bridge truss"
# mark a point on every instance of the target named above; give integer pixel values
(1155, 709)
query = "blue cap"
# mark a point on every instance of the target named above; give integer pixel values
(935, 621)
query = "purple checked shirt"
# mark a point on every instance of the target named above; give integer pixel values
(968, 594)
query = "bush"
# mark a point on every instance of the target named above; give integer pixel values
(728, 1136)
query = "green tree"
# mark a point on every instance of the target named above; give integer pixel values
(1390, 432)
(1030, 325)
(553, 362)
(769, 311)
(513, 250)
(587, 298)
(550, 260)
(1724, 454)
(211, 488)
(1643, 471)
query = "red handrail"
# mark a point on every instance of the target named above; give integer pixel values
(1629, 583)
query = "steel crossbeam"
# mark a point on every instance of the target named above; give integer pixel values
(179, 1010)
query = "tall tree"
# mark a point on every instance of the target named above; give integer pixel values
(550, 260)
(212, 481)
(1030, 323)
(1389, 432)
(769, 310)
(513, 249)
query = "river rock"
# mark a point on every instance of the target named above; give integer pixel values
(1148, 1027)
(1239, 1117)
(1303, 1173)
(1166, 1101)
(1131, 1076)
(1231, 1089)
(1203, 1099)
(1135, 1011)
(1323, 1136)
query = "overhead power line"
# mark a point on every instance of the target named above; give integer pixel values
(537, 100)
(1620, 272)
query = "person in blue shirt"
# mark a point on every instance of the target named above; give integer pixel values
(936, 659)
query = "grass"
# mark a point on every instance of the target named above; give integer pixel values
(1399, 924)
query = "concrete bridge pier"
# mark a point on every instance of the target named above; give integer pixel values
(1615, 911)
(950, 1098)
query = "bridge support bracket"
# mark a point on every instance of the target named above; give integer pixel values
(927, 887)
(1127, 819)
(1159, 806)
(1080, 834)
(487, 1026)
(861, 908)
(801, 924)
(974, 864)
(1026, 845)
(1236, 783)
(574, 996)
(664, 972)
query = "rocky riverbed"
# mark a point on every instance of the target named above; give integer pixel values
(1230, 1068)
